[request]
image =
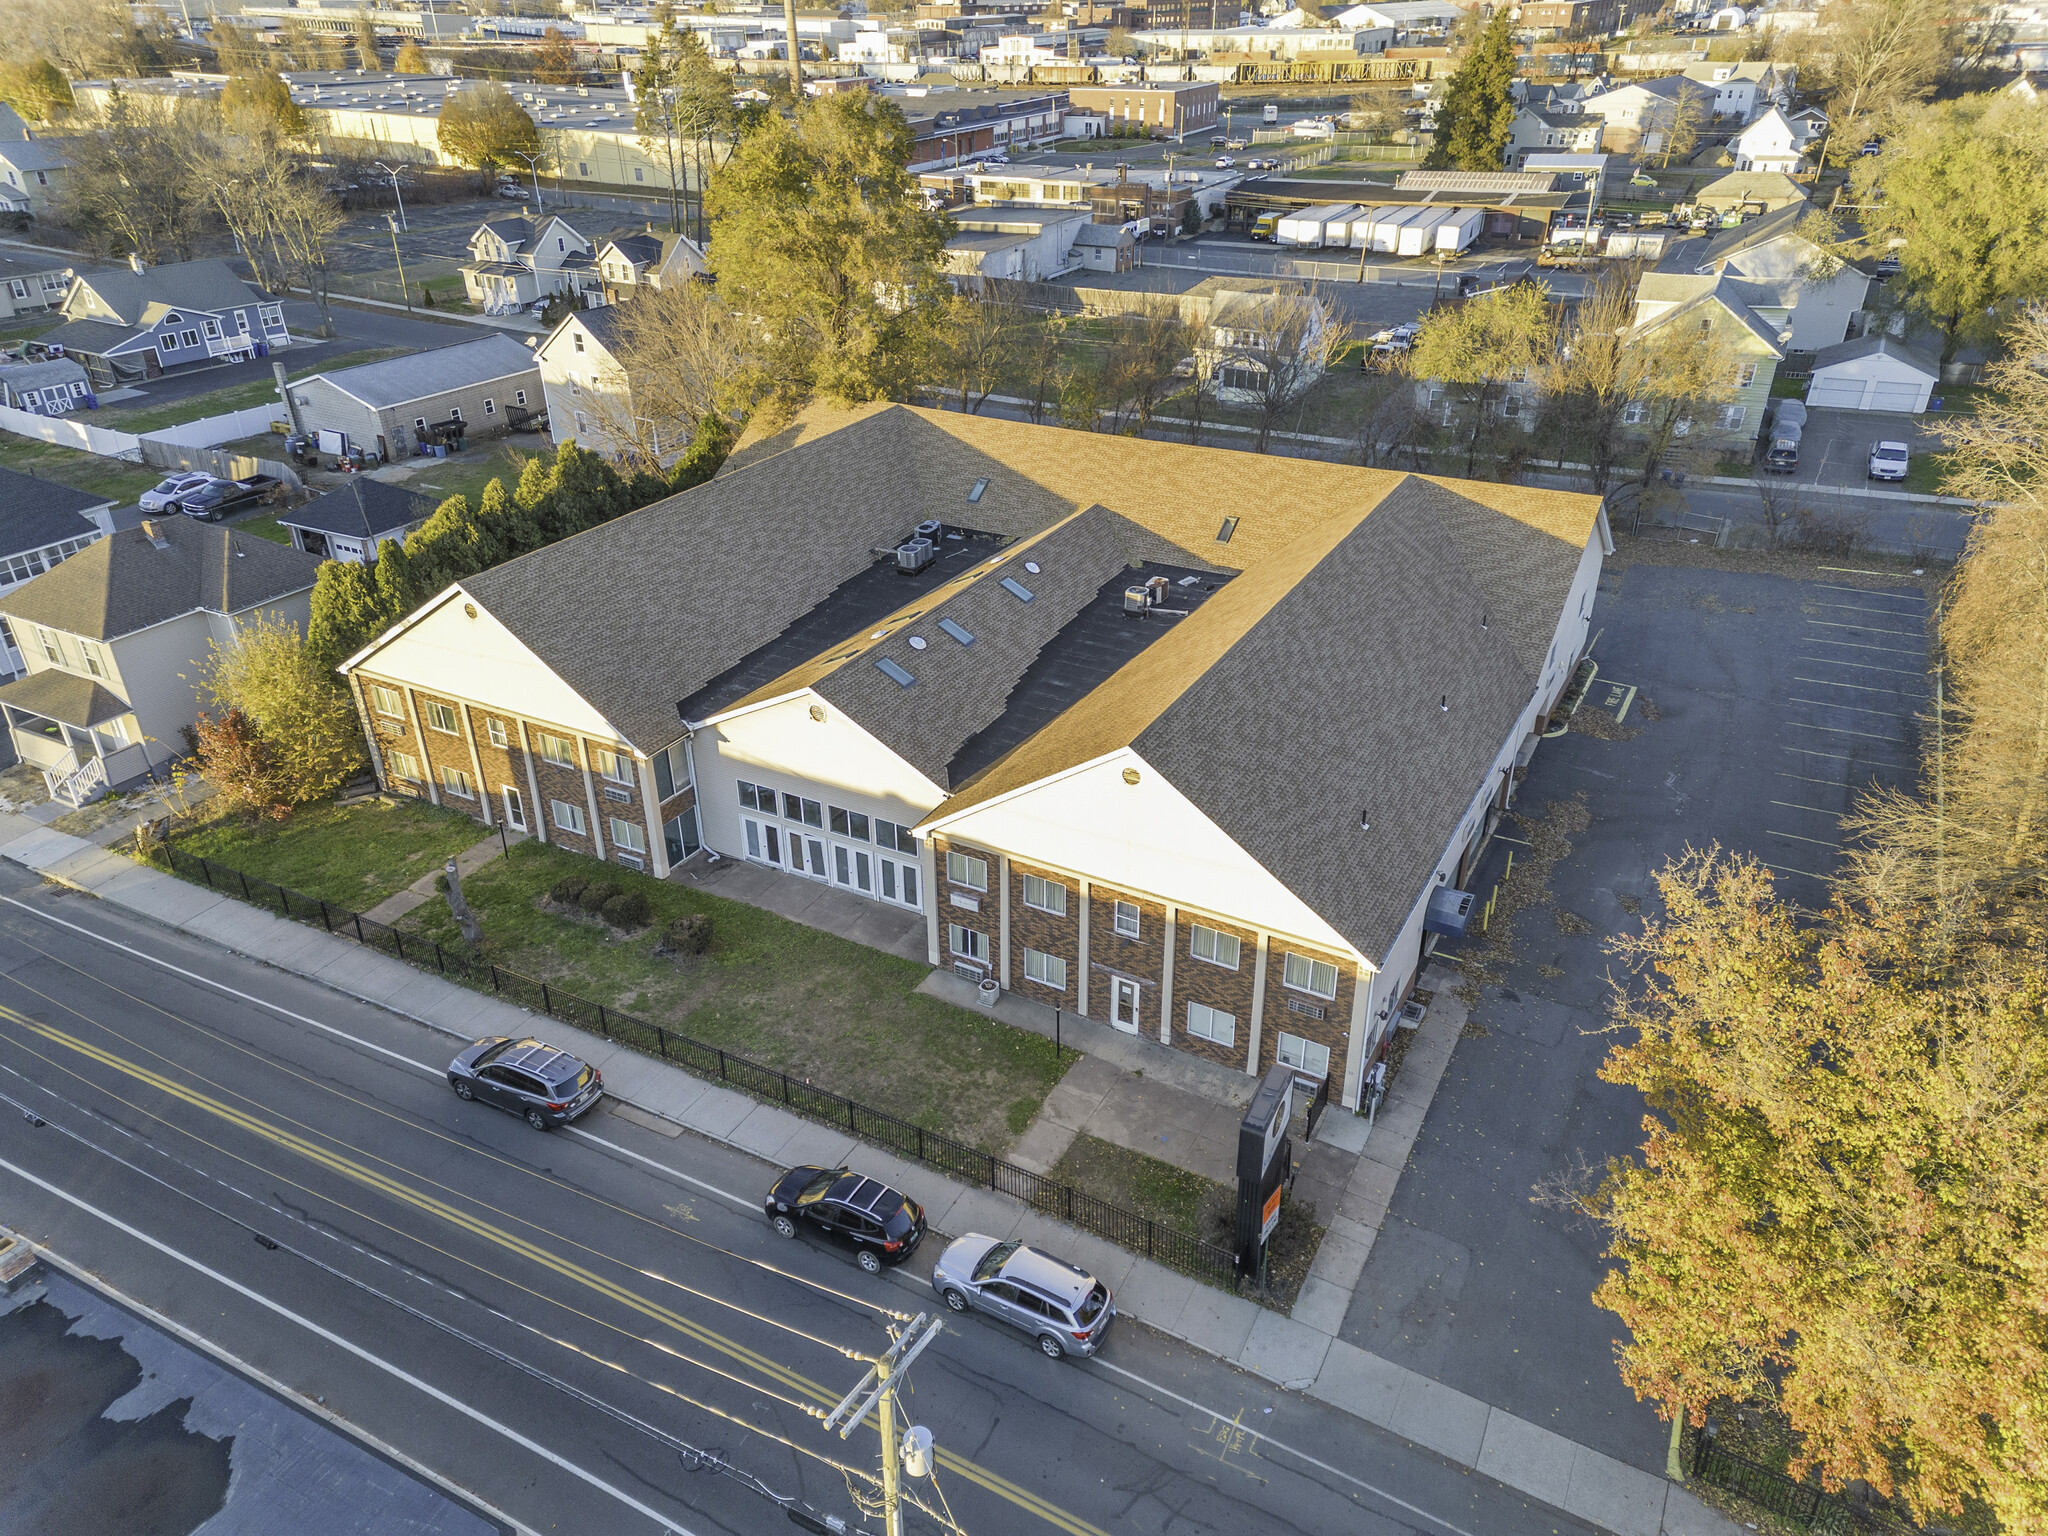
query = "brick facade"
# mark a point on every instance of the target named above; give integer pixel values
(985, 917)
(1048, 933)
(1218, 986)
(1330, 1030)
(1111, 954)
(447, 750)
(560, 783)
(502, 765)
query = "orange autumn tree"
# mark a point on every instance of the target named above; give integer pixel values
(1839, 1210)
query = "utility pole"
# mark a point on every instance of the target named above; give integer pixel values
(877, 1391)
(404, 292)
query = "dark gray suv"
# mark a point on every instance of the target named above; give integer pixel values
(1062, 1306)
(543, 1086)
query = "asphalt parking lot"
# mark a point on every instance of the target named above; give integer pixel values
(1834, 448)
(1764, 704)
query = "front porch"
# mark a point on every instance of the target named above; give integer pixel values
(79, 735)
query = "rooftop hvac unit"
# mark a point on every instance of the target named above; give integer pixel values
(930, 529)
(915, 556)
(1137, 599)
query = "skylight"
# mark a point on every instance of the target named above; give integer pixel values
(1229, 527)
(956, 631)
(1017, 589)
(979, 487)
(894, 673)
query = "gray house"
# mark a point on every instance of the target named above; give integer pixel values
(136, 322)
(31, 282)
(474, 389)
(114, 637)
(42, 524)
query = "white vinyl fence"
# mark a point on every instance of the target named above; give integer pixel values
(70, 432)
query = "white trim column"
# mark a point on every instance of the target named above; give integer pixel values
(927, 861)
(1081, 992)
(1258, 1005)
(590, 794)
(657, 845)
(476, 767)
(1359, 1044)
(536, 817)
(419, 739)
(1003, 918)
(1166, 977)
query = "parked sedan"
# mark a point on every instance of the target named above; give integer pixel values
(1062, 1306)
(849, 1210)
(161, 496)
(1888, 461)
(544, 1086)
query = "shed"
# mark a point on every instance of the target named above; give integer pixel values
(1873, 373)
(353, 522)
(47, 388)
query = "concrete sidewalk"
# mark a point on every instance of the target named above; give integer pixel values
(1298, 1353)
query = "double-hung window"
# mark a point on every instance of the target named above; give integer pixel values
(440, 716)
(568, 815)
(1303, 1055)
(559, 750)
(1304, 974)
(52, 651)
(404, 766)
(1213, 946)
(969, 943)
(1127, 921)
(1211, 1024)
(965, 869)
(1046, 895)
(95, 658)
(1046, 970)
(455, 782)
(495, 729)
(614, 766)
(629, 835)
(386, 701)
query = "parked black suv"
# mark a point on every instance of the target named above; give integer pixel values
(880, 1225)
(542, 1085)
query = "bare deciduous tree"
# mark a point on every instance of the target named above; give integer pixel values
(975, 347)
(679, 355)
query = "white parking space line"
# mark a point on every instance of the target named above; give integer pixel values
(1900, 597)
(1806, 779)
(1860, 666)
(1864, 629)
(1804, 752)
(1836, 730)
(1859, 608)
(1787, 869)
(1821, 682)
(741, 1201)
(1882, 714)
(1795, 837)
(1851, 645)
(1791, 806)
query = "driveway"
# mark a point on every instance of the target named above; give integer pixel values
(1766, 703)
(1834, 449)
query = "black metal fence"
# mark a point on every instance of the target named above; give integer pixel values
(1127, 1229)
(1768, 1489)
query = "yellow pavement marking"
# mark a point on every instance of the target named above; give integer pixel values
(404, 1194)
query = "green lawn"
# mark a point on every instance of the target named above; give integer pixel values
(839, 1013)
(145, 417)
(1145, 1184)
(264, 527)
(467, 473)
(113, 478)
(28, 327)
(353, 856)
(1926, 474)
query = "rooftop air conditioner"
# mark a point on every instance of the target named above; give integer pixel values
(930, 529)
(915, 555)
(1137, 599)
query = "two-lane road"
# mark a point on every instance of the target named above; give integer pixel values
(563, 1324)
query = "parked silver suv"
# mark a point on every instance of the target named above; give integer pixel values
(1060, 1304)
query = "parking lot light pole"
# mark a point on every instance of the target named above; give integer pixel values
(395, 192)
(404, 292)
(533, 165)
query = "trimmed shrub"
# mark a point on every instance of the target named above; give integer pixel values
(569, 888)
(689, 935)
(628, 909)
(596, 894)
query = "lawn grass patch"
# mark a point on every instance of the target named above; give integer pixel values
(1926, 474)
(145, 417)
(803, 1001)
(115, 479)
(353, 856)
(264, 526)
(1147, 1185)
(469, 472)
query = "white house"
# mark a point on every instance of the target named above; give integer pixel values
(1641, 113)
(1873, 373)
(1771, 143)
(516, 261)
(1743, 89)
(1030, 245)
(589, 396)
(1826, 294)
(647, 259)
(43, 523)
(1538, 130)
(1262, 339)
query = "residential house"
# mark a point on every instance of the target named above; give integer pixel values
(354, 522)
(1051, 731)
(43, 523)
(33, 169)
(48, 387)
(1264, 339)
(1540, 130)
(404, 405)
(1771, 143)
(1751, 319)
(1874, 373)
(1105, 248)
(115, 638)
(31, 281)
(587, 392)
(138, 322)
(1745, 88)
(1641, 114)
(516, 261)
(628, 260)
(1827, 294)
(1742, 192)
(1029, 245)
(12, 128)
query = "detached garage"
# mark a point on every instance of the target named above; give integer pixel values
(1873, 373)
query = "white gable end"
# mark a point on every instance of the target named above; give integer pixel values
(1146, 836)
(448, 652)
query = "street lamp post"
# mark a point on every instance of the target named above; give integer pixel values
(388, 171)
(404, 292)
(533, 166)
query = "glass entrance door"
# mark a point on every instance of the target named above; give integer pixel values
(764, 840)
(1123, 1004)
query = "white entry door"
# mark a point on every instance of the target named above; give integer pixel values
(1123, 1004)
(764, 840)
(515, 809)
(806, 855)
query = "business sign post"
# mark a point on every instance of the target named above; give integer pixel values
(1265, 1166)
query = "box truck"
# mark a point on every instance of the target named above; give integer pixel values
(1272, 113)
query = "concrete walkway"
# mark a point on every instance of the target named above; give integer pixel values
(1296, 1353)
(812, 903)
(422, 891)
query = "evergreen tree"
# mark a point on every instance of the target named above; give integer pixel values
(511, 529)
(587, 492)
(442, 549)
(346, 614)
(707, 450)
(536, 490)
(395, 592)
(1477, 114)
